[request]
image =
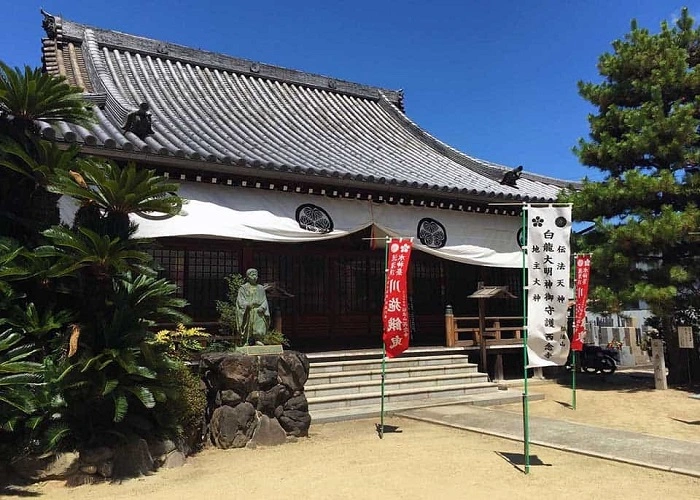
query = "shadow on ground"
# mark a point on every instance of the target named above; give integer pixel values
(10, 491)
(386, 429)
(689, 422)
(627, 381)
(517, 460)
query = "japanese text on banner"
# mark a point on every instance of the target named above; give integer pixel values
(548, 254)
(395, 312)
(583, 276)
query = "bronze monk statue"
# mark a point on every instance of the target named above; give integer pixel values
(252, 310)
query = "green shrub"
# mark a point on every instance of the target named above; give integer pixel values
(186, 405)
(274, 337)
(227, 308)
(183, 343)
(221, 345)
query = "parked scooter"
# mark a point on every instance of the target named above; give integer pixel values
(596, 359)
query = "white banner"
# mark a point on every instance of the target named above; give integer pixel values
(548, 284)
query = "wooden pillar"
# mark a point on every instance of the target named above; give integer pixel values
(482, 335)
(498, 370)
(277, 319)
(450, 337)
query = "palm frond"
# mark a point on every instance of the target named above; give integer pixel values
(31, 95)
(86, 248)
(128, 190)
(109, 386)
(144, 395)
(20, 400)
(55, 434)
(45, 163)
(152, 299)
(121, 405)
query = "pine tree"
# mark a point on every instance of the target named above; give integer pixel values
(644, 137)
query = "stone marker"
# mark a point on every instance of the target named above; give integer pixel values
(657, 355)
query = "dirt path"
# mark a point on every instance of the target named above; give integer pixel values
(348, 461)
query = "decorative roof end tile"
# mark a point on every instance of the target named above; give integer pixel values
(139, 122)
(511, 177)
(51, 25)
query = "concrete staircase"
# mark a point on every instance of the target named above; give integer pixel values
(347, 385)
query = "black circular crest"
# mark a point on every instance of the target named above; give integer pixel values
(313, 218)
(560, 221)
(431, 233)
(521, 237)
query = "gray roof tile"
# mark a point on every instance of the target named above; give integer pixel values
(214, 108)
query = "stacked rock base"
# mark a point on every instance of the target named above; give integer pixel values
(255, 400)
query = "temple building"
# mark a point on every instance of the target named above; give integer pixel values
(300, 176)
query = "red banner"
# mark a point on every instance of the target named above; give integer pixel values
(397, 328)
(583, 276)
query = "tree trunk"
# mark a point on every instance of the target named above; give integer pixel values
(42, 211)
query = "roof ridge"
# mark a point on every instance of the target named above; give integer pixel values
(62, 29)
(528, 175)
(489, 169)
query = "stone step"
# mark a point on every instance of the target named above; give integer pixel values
(374, 364)
(390, 373)
(490, 398)
(429, 394)
(411, 352)
(391, 385)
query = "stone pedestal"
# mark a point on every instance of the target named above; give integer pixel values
(255, 398)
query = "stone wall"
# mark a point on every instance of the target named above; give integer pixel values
(255, 400)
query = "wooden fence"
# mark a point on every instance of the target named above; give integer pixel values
(463, 331)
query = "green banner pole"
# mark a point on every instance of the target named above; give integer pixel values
(381, 417)
(386, 274)
(573, 335)
(573, 379)
(526, 416)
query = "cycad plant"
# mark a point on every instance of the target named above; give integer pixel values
(17, 376)
(111, 378)
(85, 295)
(108, 194)
(27, 97)
(30, 96)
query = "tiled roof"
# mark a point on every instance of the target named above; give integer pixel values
(226, 112)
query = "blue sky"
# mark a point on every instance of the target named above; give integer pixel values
(496, 80)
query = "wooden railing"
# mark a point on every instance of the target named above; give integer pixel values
(463, 331)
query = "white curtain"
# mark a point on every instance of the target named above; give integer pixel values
(471, 238)
(217, 211)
